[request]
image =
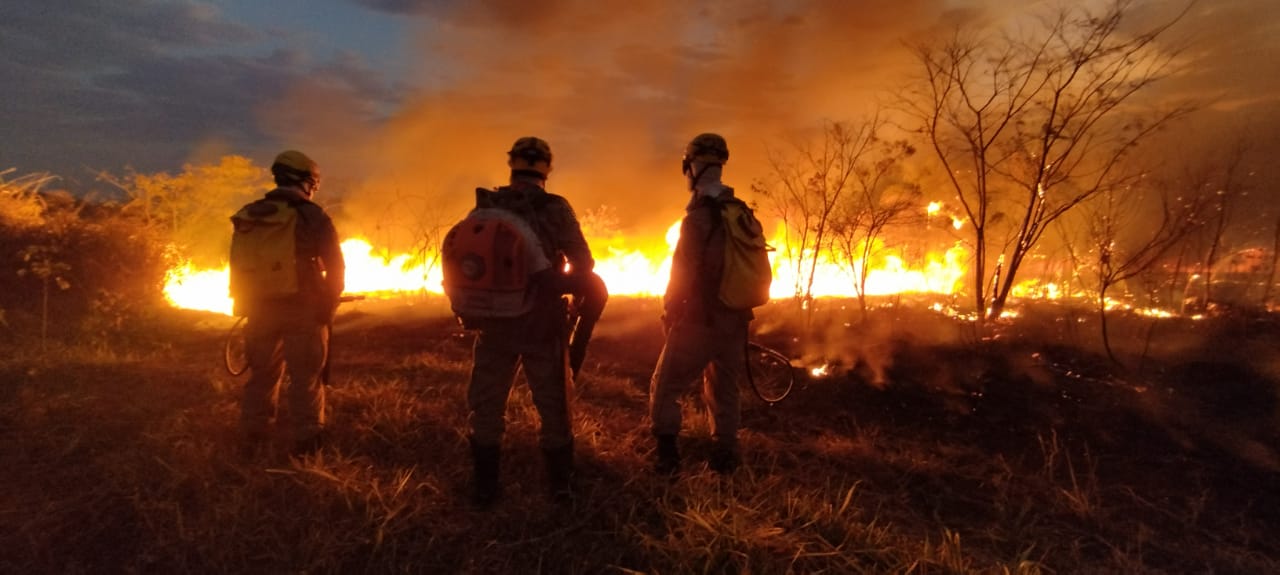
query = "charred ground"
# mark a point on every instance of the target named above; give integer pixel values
(931, 447)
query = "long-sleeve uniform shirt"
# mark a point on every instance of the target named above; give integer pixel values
(535, 340)
(290, 333)
(702, 331)
(697, 266)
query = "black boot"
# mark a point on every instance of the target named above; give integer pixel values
(724, 459)
(668, 457)
(309, 444)
(485, 486)
(560, 472)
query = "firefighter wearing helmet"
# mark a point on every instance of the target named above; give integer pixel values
(536, 341)
(704, 157)
(287, 275)
(530, 158)
(701, 331)
(296, 169)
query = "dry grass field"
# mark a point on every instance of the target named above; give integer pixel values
(927, 449)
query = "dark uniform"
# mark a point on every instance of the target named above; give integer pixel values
(537, 341)
(706, 340)
(290, 334)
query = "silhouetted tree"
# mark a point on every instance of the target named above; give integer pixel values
(21, 205)
(1271, 268)
(413, 223)
(22, 216)
(879, 198)
(1222, 182)
(1124, 242)
(804, 187)
(1027, 129)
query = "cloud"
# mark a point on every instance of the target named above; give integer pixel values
(147, 84)
(514, 14)
(84, 35)
(616, 87)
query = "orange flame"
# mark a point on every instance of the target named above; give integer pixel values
(627, 271)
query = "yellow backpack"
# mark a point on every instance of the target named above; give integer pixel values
(747, 273)
(264, 252)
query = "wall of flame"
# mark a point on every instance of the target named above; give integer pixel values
(374, 272)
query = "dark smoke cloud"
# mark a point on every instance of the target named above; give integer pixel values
(618, 92)
(1229, 68)
(1230, 51)
(617, 88)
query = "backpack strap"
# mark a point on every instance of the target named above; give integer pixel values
(717, 221)
(528, 207)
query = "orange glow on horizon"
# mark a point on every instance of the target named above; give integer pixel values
(625, 269)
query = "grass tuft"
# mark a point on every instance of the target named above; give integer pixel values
(130, 462)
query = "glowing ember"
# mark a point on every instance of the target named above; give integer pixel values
(820, 371)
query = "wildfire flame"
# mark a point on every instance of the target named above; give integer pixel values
(627, 271)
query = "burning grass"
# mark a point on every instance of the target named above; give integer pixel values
(929, 449)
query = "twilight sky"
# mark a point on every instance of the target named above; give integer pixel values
(400, 98)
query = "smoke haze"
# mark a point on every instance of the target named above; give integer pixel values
(420, 99)
(618, 92)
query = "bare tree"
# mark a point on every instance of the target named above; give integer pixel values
(880, 198)
(47, 256)
(1223, 185)
(1028, 129)
(1271, 268)
(415, 222)
(804, 186)
(1125, 244)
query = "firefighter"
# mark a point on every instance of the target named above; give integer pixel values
(537, 340)
(704, 338)
(287, 330)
